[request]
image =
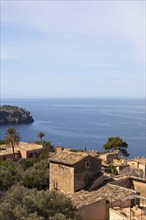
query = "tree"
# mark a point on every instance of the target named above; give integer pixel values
(23, 203)
(8, 175)
(113, 169)
(36, 176)
(116, 143)
(31, 175)
(12, 138)
(41, 135)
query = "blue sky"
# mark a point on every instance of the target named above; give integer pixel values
(72, 49)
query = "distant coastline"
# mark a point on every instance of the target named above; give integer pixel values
(14, 115)
(80, 123)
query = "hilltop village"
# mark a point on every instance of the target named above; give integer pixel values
(102, 186)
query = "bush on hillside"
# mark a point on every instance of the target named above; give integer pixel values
(23, 203)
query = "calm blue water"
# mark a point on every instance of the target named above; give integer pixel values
(84, 123)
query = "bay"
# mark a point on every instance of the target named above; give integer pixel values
(80, 123)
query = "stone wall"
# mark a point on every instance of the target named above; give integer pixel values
(108, 157)
(124, 182)
(85, 171)
(61, 177)
(132, 171)
(111, 156)
(116, 215)
(140, 187)
(132, 163)
(119, 203)
(143, 167)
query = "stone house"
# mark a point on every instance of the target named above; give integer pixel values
(127, 213)
(114, 196)
(109, 157)
(89, 205)
(73, 171)
(95, 205)
(22, 150)
(7, 153)
(29, 150)
(135, 183)
(138, 163)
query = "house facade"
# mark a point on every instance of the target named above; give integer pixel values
(138, 163)
(71, 171)
(23, 150)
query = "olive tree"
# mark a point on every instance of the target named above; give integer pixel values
(22, 203)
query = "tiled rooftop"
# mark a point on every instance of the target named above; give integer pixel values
(93, 153)
(68, 157)
(114, 192)
(84, 198)
(22, 145)
(28, 146)
(6, 151)
(109, 192)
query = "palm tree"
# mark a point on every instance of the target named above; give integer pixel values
(12, 138)
(41, 135)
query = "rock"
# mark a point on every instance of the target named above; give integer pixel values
(14, 115)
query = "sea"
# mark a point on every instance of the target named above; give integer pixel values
(84, 123)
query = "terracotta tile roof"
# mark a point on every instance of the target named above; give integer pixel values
(28, 146)
(68, 157)
(6, 151)
(84, 198)
(113, 192)
(23, 146)
(109, 192)
(93, 153)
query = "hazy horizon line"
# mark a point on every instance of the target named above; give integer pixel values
(30, 98)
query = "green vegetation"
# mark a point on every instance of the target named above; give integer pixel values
(14, 115)
(47, 145)
(113, 169)
(33, 174)
(24, 187)
(36, 176)
(8, 175)
(24, 193)
(41, 135)
(2, 142)
(30, 204)
(12, 138)
(116, 143)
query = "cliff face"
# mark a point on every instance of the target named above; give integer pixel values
(14, 115)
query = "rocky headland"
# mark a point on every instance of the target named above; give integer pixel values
(14, 115)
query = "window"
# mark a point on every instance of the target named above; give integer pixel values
(30, 155)
(87, 164)
(35, 154)
(55, 185)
